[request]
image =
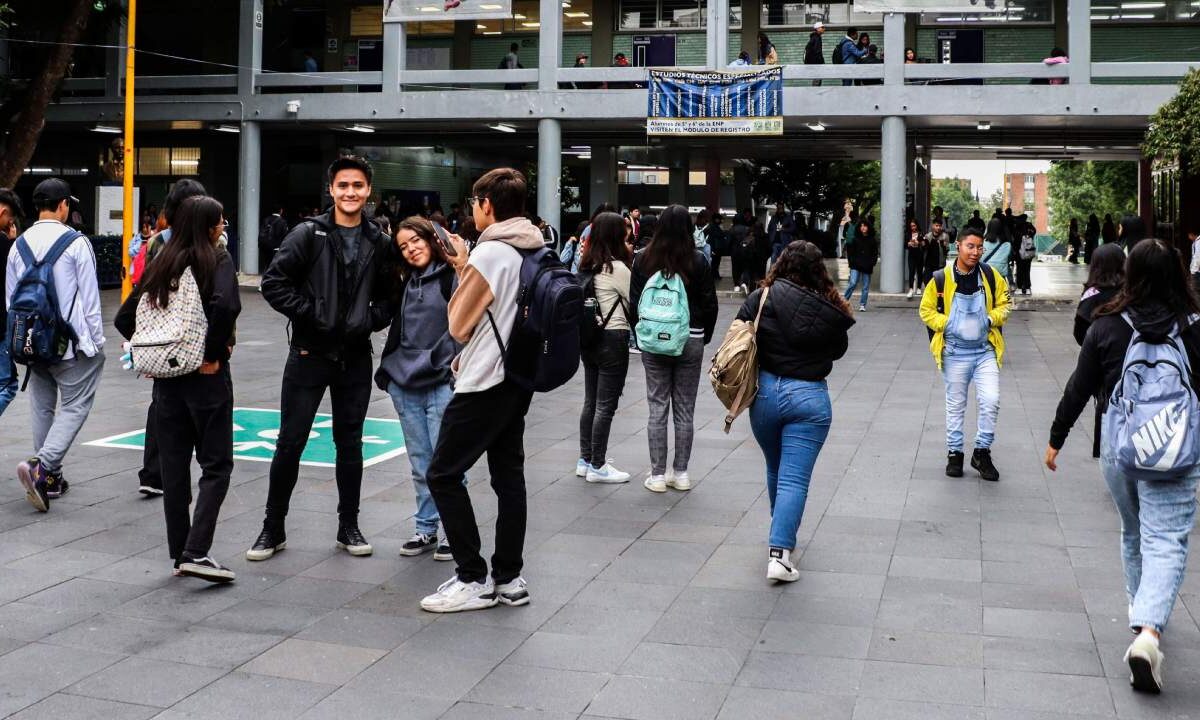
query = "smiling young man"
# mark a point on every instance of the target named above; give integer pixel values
(322, 279)
(964, 308)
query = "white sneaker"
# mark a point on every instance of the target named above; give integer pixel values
(779, 567)
(581, 468)
(656, 483)
(862, 308)
(454, 595)
(679, 480)
(514, 592)
(1145, 664)
(910, 293)
(607, 474)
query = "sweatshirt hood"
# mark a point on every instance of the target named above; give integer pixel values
(517, 232)
(1153, 320)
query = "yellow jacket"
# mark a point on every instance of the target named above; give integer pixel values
(998, 309)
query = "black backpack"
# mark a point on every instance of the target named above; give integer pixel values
(836, 56)
(591, 323)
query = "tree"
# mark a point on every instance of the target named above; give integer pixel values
(1174, 129)
(819, 187)
(955, 198)
(1078, 189)
(30, 118)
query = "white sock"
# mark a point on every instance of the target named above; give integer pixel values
(783, 555)
(1149, 636)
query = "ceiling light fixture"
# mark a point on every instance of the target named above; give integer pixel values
(816, 127)
(356, 127)
(588, 23)
(108, 129)
(576, 14)
(503, 127)
(984, 125)
(226, 128)
(531, 24)
(492, 32)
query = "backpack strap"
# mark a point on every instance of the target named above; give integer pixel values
(52, 255)
(989, 276)
(939, 284)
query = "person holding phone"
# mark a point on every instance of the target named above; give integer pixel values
(415, 366)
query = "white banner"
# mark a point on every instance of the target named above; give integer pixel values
(714, 126)
(932, 6)
(435, 10)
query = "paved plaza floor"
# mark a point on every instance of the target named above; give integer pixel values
(920, 596)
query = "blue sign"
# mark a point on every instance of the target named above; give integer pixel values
(684, 102)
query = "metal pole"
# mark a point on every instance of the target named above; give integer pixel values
(127, 209)
(1079, 45)
(549, 171)
(549, 48)
(891, 215)
(394, 52)
(249, 200)
(893, 41)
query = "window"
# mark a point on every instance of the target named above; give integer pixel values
(997, 11)
(168, 161)
(1161, 11)
(576, 16)
(780, 13)
(671, 14)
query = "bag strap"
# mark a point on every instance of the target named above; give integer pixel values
(989, 276)
(60, 246)
(939, 284)
(496, 332)
(762, 301)
(999, 244)
(611, 311)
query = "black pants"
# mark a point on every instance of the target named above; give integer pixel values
(305, 379)
(716, 264)
(1023, 269)
(916, 268)
(491, 421)
(194, 413)
(151, 473)
(604, 369)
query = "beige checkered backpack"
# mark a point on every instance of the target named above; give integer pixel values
(169, 342)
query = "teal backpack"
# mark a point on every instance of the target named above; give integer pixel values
(664, 321)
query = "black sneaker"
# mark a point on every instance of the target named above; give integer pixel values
(419, 545)
(269, 542)
(954, 464)
(981, 460)
(33, 478)
(443, 552)
(205, 568)
(56, 485)
(150, 491)
(352, 541)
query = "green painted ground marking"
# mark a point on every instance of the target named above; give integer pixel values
(255, 431)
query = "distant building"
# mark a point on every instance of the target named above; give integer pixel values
(1029, 193)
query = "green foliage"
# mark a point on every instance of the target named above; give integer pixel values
(956, 199)
(819, 187)
(1175, 128)
(1078, 189)
(5, 11)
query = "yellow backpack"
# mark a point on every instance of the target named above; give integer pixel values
(734, 371)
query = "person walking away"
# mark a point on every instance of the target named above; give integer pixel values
(1108, 232)
(848, 52)
(63, 370)
(1075, 242)
(1152, 487)
(914, 251)
(976, 222)
(10, 212)
(1026, 253)
(761, 253)
(937, 244)
(964, 308)
(700, 235)
(322, 280)
(414, 368)
(801, 332)
(487, 412)
(512, 61)
(1131, 231)
(782, 230)
(673, 304)
(766, 51)
(194, 411)
(814, 53)
(718, 242)
(996, 255)
(605, 277)
(270, 236)
(1106, 274)
(863, 254)
(740, 244)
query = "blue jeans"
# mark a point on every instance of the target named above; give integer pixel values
(790, 419)
(959, 367)
(1156, 518)
(8, 375)
(855, 278)
(420, 414)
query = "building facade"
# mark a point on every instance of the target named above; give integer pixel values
(1029, 194)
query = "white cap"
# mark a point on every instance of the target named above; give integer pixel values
(818, 25)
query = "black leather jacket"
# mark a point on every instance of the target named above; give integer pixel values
(331, 311)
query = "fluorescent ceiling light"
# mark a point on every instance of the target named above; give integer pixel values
(503, 127)
(1100, 17)
(430, 8)
(480, 26)
(816, 127)
(226, 128)
(492, 32)
(984, 125)
(187, 125)
(1143, 5)
(576, 14)
(360, 128)
(109, 129)
(490, 7)
(587, 23)
(1135, 16)
(531, 24)
(518, 16)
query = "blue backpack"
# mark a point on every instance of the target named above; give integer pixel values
(543, 349)
(37, 333)
(664, 319)
(1152, 421)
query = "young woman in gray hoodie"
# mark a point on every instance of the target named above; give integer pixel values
(415, 366)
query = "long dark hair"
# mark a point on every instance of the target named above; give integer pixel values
(605, 244)
(1106, 267)
(191, 246)
(423, 229)
(673, 249)
(1154, 273)
(802, 263)
(1132, 230)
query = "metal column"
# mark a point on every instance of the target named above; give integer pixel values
(893, 40)
(395, 43)
(250, 45)
(603, 187)
(891, 215)
(249, 195)
(721, 38)
(677, 178)
(549, 56)
(549, 168)
(1079, 32)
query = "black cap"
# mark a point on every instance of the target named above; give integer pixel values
(54, 191)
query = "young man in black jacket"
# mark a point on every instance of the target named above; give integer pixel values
(814, 54)
(322, 279)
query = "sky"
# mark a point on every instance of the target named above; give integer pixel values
(986, 176)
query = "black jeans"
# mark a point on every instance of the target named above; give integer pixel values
(604, 368)
(1023, 270)
(916, 267)
(305, 379)
(151, 473)
(491, 421)
(194, 413)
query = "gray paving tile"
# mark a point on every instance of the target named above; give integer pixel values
(112, 633)
(681, 629)
(808, 639)
(314, 662)
(926, 648)
(604, 593)
(764, 704)
(880, 709)
(81, 594)
(573, 652)
(211, 647)
(263, 617)
(455, 676)
(704, 664)
(30, 622)
(639, 698)
(575, 619)
(243, 695)
(449, 636)
(514, 685)
(929, 616)
(315, 592)
(808, 673)
(361, 629)
(1036, 655)
(374, 705)
(923, 683)
(1005, 622)
(73, 707)
(474, 711)
(179, 603)
(146, 682)
(1068, 694)
(37, 671)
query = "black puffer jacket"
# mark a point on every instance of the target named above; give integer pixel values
(1088, 305)
(800, 333)
(308, 283)
(864, 253)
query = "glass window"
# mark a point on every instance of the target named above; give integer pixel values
(1162, 11)
(154, 161)
(781, 13)
(997, 11)
(527, 16)
(671, 14)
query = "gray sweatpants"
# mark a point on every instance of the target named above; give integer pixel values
(672, 382)
(55, 426)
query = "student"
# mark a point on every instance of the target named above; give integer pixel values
(61, 394)
(672, 381)
(10, 212)
(487, 412)
(1105, 277)
(863, 253)
(1157, 515)
(801, 332)
(914, 250)
(606, 261)
(322, 280)
(194, 411)
(414, 368)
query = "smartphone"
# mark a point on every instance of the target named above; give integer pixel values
(444, 240)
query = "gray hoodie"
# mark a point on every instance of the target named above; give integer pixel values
(419, 348)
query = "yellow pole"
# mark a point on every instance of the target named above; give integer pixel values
(128, 211)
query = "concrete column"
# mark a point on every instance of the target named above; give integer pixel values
(114, 58)
(250, 46)
(1059, 8)
(603, 185)
(741, 189)
(603, 22)
(464, 32)
(249, 199)
(549, 169)
(1146, 197)
(1079, 44)
(677, 187)
(751, 24)
(721, 32)
(923, 190)
(395, 54)
(550, 55)
(893, 43)
(712, 182)
(891, 215)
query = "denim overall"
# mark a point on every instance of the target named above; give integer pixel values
(969, 356)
